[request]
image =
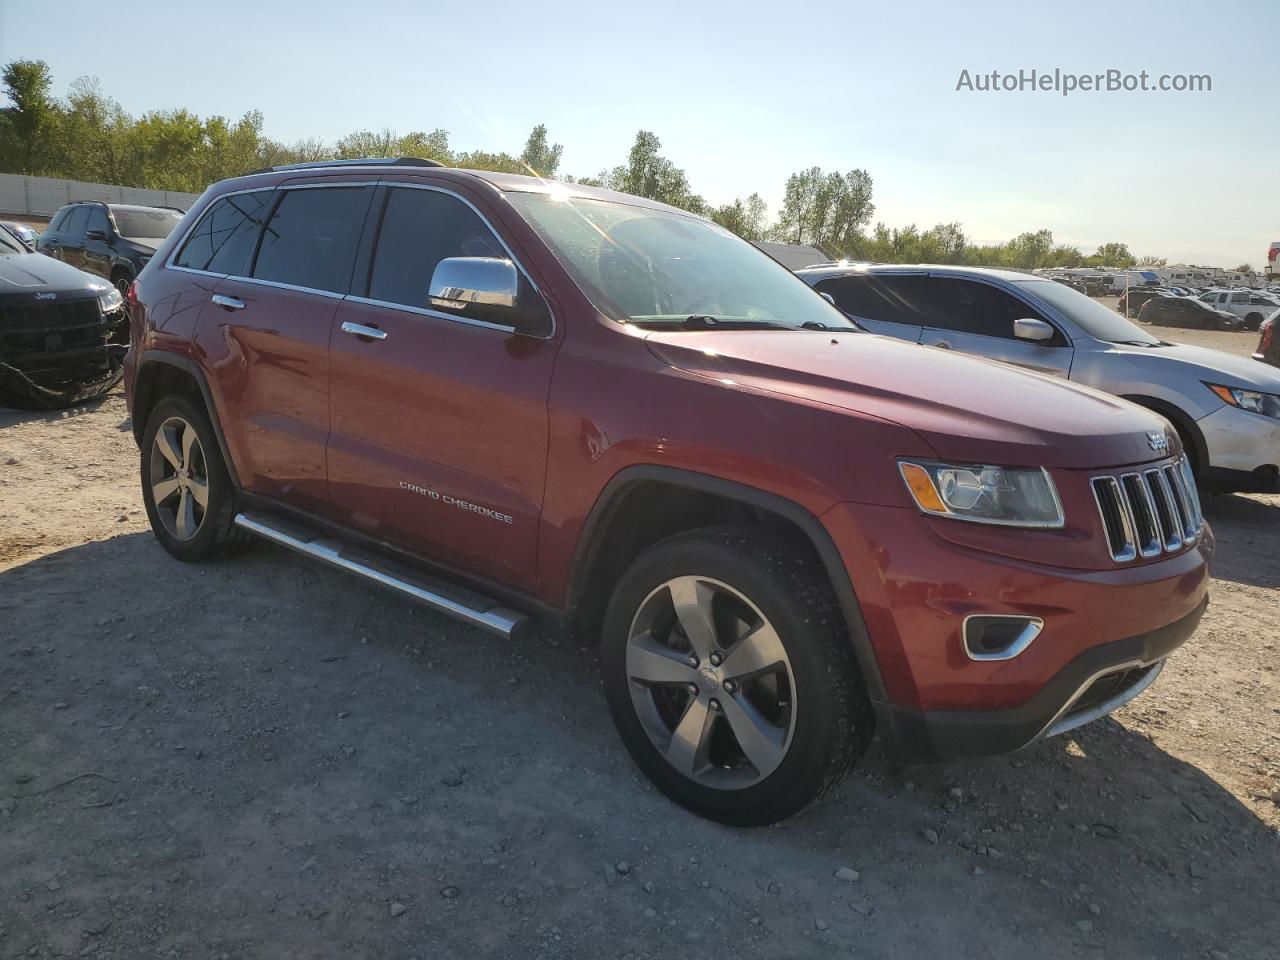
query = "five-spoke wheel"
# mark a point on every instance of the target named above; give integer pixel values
(179, 478)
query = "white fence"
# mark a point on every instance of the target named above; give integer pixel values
(42, 196)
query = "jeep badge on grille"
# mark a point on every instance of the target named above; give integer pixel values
(1158, 442)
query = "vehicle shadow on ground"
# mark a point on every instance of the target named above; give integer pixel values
(264, 724)
(1247, 529)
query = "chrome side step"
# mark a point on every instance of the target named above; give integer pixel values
(461, 605)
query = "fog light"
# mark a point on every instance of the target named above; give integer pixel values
(998, 637)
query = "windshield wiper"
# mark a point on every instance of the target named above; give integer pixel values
(706, 321)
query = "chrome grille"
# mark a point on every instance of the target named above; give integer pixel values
(1149, 512)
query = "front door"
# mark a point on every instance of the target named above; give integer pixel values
(97, 249)
(439, 424)
(976, 317)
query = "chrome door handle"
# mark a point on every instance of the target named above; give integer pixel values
(363, 331)
(231, 303)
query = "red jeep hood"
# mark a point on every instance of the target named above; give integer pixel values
(968, 409)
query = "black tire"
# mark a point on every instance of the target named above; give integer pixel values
(1253, 321)
(216, 533)
(832, 721)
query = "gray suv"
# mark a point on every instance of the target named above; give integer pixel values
(1225, 408)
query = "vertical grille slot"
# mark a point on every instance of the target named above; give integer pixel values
(1115, 518)
(1150, 512)
(1166, 512)
(1143, 510)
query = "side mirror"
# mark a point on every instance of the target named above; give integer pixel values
(485, 285)
(828, 297)
(1028, 328)
(96, 235)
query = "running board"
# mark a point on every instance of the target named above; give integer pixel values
(471, 608)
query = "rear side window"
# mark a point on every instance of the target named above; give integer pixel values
(223, 240)
(60, 220)
(311, 239)
(419, 229)
(75, 225)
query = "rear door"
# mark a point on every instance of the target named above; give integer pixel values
(273, 318)
(440, 426)
(977, 317)
(885, 303)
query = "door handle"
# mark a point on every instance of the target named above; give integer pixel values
(231, 303)
(363, 331)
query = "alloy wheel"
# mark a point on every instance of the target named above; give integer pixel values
(179, 478)
(711, 682)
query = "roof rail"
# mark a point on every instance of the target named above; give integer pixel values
(355, 162)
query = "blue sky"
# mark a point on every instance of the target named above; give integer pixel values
(744, 93)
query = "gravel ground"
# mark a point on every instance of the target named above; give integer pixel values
(261, 758)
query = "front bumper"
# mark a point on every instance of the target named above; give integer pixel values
(919, 578)
(1096, 682)
(1242, 449)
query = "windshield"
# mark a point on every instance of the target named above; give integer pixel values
(1098, 321)
(10, 244)
(149, 224)
(643, 265)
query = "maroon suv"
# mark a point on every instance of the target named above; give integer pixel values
(514, 400)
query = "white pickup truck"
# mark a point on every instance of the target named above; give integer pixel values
(1254, 306)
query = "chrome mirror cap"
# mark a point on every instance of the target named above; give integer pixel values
(1028, 328)
(462, 282)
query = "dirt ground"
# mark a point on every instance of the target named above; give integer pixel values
(261, 758)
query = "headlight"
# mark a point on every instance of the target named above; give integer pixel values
(1013, 497)
(110, 299)
(1267, 404)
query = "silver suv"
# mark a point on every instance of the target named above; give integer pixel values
(1225, 408)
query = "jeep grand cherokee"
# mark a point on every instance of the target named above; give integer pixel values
(509, 399)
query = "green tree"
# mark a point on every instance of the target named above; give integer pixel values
(1152, 262)
(747, 218)
(540, 158)
(826, 210)
(1111, 255)
(30, 119)
(1243, 268)
(649, 174)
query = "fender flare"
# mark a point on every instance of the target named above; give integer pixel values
(192, 369)
(587, 551)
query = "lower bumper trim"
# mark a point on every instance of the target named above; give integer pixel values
(1062, 704)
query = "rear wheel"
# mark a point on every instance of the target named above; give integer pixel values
(186, 488)
(1253, 321)
(730, 677)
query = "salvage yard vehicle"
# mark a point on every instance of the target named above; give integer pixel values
(1252, 306)
(113, 240)
(517, 400)
(1131, 300)
(1187, 313)
(63, 333)
(1268, 342)
(1035, 323)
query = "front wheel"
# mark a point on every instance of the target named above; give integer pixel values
(1253, 321)
(730, 676)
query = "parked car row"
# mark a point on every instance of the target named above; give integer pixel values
(63, 328)
(518, 401)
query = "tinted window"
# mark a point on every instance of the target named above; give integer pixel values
(892, 299)
(970, 307)
(145, 224)
(311, 238)
(59, 220)
(419, 229)
(98, 220)
(75, 225)
(223, 240)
